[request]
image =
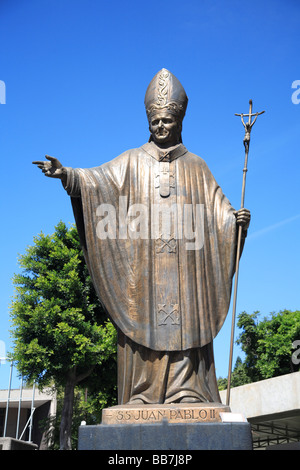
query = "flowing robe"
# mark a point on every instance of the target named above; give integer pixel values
(167, 294)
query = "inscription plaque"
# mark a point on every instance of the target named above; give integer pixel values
(173, 413)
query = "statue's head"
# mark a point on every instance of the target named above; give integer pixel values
(165, 103)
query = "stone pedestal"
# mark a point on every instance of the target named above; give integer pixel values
(203, 426)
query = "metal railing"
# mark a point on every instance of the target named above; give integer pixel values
(30, 419)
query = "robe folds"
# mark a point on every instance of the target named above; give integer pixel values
(161, 289)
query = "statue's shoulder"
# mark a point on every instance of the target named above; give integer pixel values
(122, 159)
(195, 159)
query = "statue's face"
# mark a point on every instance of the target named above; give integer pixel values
(165, 128)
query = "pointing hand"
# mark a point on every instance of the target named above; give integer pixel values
(53, 168)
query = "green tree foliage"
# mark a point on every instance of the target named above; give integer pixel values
(60, 330)
(268, 347)
(268, 344)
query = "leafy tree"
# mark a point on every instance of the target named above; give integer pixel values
(268, 347)
(239, 376)
(248, 339)
(268, 344)
(60, 330)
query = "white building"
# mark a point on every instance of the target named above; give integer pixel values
(20, 405)
(272, 407)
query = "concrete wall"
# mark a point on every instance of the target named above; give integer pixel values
(267, 397)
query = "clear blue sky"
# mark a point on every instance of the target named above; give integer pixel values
(76, 72)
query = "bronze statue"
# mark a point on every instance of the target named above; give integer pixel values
(159, 239)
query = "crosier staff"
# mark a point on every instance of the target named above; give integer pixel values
(248, 127)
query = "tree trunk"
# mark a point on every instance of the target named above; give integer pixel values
(67, 411)
(66, 416)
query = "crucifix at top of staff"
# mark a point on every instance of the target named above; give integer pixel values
(248, 127)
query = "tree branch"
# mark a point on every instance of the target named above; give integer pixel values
(82, 376)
